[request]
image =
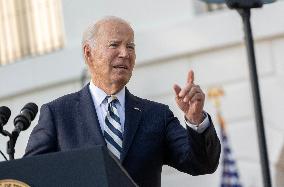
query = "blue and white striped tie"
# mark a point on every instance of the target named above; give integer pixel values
(112, 131)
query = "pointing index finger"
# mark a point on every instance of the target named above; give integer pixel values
(190, 77)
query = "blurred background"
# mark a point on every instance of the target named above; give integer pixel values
(41, 59)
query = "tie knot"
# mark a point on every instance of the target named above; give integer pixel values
(111, 99)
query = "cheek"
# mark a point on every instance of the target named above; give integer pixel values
(100, 66)
(103, 61)
(133, 62)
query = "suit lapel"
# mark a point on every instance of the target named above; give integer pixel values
(133, 114)
(88, 116)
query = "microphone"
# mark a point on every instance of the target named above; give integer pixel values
(21, 123)
(26, 116)
(5, 114)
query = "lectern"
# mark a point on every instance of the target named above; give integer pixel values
(94, 167)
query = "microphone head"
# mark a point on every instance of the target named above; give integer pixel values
(5, 114)
(32, 109)
(27, 114)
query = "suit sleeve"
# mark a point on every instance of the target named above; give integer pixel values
(189, 151)
(43, 137)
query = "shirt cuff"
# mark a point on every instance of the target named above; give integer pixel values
(202, 126)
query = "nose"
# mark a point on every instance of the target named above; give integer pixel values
(123, 52)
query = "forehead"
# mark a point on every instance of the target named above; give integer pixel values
(114, 30)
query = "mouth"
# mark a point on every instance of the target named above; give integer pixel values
(121, 67)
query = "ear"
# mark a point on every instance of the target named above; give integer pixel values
(87, 53)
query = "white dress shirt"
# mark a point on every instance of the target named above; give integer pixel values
(98, 96)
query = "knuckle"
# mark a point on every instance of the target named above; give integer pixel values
(195, 89)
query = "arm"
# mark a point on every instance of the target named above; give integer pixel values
(43, 137)
(207, 141)
(189, 151)
(192, 151)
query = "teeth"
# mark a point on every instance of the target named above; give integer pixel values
(120, 67)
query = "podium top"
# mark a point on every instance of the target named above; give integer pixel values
(82, 167)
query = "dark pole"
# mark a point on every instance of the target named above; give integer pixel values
(245, 13)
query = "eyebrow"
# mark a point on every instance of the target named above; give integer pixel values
(131, 43)
(113, 41)
(118, 41)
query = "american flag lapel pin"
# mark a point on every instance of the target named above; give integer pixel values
(135, 108)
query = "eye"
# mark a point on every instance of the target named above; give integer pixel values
(113, 45)
(131, 47)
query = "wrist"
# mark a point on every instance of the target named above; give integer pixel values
(196, 119)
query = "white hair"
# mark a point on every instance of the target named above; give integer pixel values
(91, 33)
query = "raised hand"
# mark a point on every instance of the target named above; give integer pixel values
(190, 100)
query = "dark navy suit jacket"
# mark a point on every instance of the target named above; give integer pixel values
(152, 136)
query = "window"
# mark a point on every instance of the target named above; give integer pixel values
(29, 27)
(202, 7)
(213, 7)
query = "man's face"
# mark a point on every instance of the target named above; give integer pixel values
(113, 57)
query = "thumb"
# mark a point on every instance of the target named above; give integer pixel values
(177, 89)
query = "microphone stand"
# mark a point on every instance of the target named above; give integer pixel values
(11, 143)
(11, 149)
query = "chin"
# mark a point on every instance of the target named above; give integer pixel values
(122, 81)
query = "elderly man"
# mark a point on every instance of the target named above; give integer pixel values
(142, 134)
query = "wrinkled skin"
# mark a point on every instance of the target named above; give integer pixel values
(112, 58)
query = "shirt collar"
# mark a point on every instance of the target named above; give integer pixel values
(99, 95)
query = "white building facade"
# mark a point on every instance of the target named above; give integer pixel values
(171, 38)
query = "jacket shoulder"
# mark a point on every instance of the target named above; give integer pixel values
(149, 104)
(65, 101)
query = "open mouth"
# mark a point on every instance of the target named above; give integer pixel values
(120, 67)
